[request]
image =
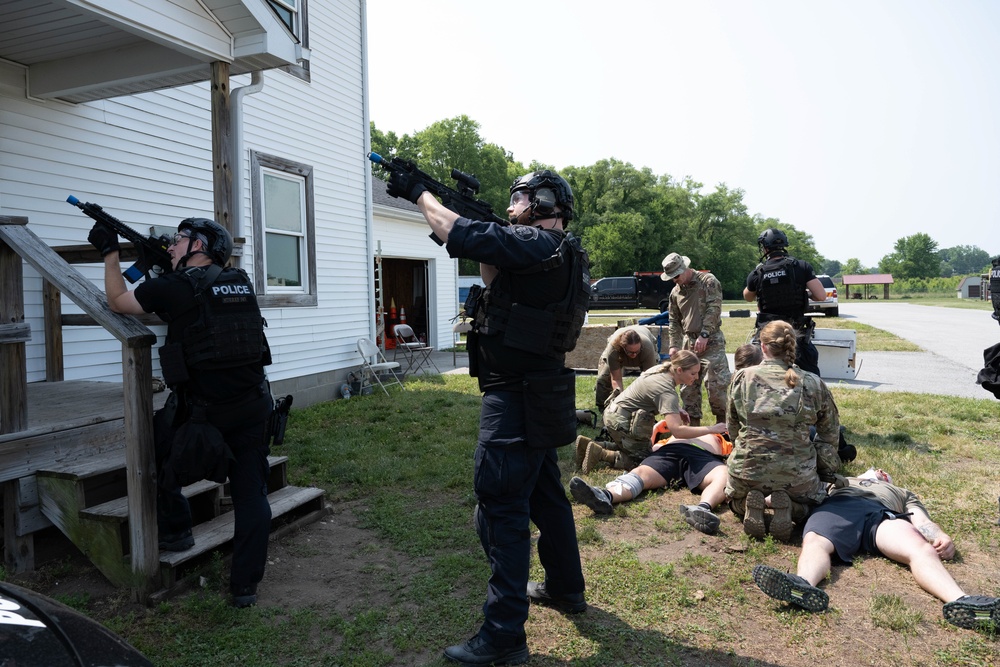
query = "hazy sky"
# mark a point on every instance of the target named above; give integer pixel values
(859, 122)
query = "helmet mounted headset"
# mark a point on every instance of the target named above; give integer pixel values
(215, 239)
(772, 241)
(546, 190)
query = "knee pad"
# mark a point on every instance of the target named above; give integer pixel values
(629, 481)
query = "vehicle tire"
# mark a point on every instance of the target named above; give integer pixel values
(664, 306)
(833, 312)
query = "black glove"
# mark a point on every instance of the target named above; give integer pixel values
(103, 238)
(405, 185)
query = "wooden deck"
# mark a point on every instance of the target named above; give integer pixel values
(55, 405)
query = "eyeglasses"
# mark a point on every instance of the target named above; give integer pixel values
(520, 197)
(177, 238)
(633, 353)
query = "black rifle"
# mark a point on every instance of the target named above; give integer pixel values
(152, 250)
(461, 201)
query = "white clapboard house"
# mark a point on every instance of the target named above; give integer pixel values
(252, 112)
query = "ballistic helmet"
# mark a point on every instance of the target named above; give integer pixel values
(216, 238)
(771, 240)
(548, 190)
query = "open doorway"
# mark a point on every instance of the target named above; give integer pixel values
(405, 286)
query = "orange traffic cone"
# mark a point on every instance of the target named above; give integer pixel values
(402, 315)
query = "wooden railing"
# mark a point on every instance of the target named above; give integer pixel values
(17, 242)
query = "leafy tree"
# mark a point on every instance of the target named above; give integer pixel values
(914, 257)
(832, 267)
(963, 259)
(853, 267)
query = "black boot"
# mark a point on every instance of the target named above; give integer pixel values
(478, 651)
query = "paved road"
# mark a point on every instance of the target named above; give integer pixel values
(953, 340)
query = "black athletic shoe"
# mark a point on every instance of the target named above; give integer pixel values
(701, 518)
(478, 651)
(790, 588)
(568, 603)
(596, 499)
(973, 611)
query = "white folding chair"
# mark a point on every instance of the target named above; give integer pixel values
(416, 353)
(376, 367)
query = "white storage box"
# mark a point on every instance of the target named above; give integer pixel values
(836, 349)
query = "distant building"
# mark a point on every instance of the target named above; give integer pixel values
(970, 288)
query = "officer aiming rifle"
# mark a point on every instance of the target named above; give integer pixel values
(152, 250)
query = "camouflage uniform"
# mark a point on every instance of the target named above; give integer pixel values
(695, 308)
(632, 414)
(769, 422)
(612, 359)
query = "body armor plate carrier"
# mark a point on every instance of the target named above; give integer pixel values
(780, 293)
(552, 330)
(229, 331)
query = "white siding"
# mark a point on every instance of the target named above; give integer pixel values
(147, 160)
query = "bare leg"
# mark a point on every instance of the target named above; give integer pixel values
(814, 561)
(901, 542)
(713, 487)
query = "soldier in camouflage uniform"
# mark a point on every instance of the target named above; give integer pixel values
(630, 347)
(696, 325)
(631, 415)
(771, 407)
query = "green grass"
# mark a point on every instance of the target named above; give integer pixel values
(659, 591)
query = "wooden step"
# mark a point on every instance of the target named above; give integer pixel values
(287, 504)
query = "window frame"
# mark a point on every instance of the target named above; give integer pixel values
(259, 163)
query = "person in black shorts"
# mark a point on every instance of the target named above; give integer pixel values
(696, 462)
(873, 516)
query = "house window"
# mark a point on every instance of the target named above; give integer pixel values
(284, 232)
(287, 13)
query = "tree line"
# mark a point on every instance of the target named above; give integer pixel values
(629, 218)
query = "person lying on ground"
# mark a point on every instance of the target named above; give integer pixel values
(873, 516)
(695, 462)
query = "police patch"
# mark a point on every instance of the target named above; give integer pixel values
(524, 232)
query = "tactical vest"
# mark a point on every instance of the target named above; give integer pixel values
(551, 329)
(995, 288)
(780, 290)
(229, 330)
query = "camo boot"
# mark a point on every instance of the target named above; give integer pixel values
(781, 522)
(753, 520)
(595, 455)
(581, 449)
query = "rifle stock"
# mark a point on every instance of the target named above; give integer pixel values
(461, 201)
(152, 250)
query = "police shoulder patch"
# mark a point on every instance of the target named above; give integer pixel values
(524, 232)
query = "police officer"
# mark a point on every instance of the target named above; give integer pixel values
(213, 360)
(527, 318)
(780, 284)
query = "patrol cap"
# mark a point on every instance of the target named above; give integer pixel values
(674, 265)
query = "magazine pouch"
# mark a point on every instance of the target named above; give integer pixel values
(550, 408)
